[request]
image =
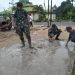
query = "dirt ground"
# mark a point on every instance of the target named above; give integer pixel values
(48, 56)
(37, 33)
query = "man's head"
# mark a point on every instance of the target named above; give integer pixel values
(19, 5)
(54, 26)
(69, 29)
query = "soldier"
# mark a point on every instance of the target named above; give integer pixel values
(54, 31)
(21, 24)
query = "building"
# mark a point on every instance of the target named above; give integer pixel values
(29, 7)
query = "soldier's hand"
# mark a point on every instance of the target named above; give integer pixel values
(66, 45)
(15, 27)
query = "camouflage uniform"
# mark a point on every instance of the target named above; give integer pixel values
(21, 18)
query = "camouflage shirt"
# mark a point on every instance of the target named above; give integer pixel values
(21, 18)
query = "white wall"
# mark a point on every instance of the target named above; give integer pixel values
(53, 16)
(35, 16)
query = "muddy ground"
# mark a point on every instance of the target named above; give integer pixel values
(46, 58)
(37, 33)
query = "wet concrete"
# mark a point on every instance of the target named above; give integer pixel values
(47, 58)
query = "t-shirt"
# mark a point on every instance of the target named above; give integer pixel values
(30, 18)
(72, 36)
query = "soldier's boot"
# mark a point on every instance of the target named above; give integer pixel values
(57, 36)
(22, 40)
(29, 40)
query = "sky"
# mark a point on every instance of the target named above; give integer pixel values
(4, 4)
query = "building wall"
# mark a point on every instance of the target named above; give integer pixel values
(53, 16)
(36, 16)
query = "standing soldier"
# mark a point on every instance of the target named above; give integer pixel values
(21, 24)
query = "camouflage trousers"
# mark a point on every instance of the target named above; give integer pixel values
(26, 31)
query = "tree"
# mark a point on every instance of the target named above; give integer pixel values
(54, 8)
(65, 10)
(13, 8)
(24, 1)
(6, 14)
(72, 1)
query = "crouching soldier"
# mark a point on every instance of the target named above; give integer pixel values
(21, 24)
(71, 35)
(54, 31)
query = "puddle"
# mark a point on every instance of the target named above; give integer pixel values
(47, 58)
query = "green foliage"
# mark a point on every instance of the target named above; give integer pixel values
(13, 8)
(6, 14)
(24, 1)
(66, 10)
(72, 1)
